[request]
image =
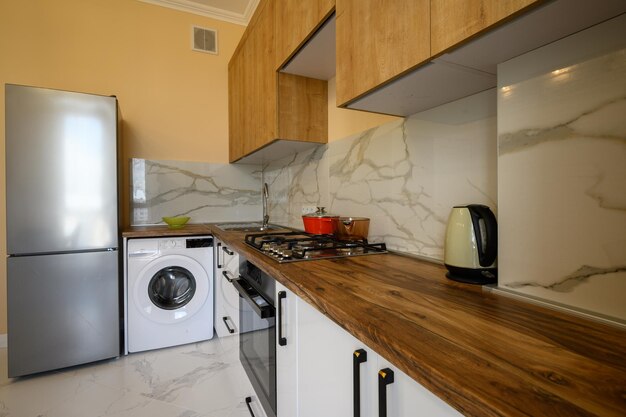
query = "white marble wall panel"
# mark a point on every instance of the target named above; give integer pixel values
(362, 177)
(562, 175)
(297, 181)
(404, 175)
(205, 192)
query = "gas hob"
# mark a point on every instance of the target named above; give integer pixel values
(299, 246)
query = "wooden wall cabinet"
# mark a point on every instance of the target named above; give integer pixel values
(264, 105)
(455, 21)
(378, 40)
(253, 85)
(465, 41)
(298, 21)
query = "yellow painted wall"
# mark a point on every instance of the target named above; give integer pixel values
(173, 100)
(346, 122)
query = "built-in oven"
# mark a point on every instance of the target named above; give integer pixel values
(257, 332)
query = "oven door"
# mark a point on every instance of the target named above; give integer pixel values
(257, 343)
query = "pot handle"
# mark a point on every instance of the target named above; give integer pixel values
(349, 224)
(487, 253)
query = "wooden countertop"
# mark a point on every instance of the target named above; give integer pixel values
(158, 231)
(483, 353)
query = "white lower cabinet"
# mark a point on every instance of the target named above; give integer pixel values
(405, 397)
(286, 353)
(325, 371)
(325, 365)
(226, 296)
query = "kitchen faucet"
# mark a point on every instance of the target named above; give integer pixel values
(266, 216)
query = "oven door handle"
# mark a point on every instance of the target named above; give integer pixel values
(265, 311)
(282, 341)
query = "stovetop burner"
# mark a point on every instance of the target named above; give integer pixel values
(300, 246)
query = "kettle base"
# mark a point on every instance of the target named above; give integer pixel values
(472, 276)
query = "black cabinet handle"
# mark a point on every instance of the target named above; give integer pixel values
(219, 265)
(228, 251)
(282, 341)
(229, 277)
(358, 357)
(230, 329)
(248, 401)
(385, 377)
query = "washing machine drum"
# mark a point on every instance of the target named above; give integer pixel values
(171, 289)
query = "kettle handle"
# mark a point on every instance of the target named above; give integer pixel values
(486, 255)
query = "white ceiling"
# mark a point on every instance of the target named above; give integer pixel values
(234, 11)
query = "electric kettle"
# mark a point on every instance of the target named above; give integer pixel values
(471, 245)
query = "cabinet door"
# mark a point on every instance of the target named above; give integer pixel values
(377, 40)
(454, 21)
(286, 352)
(303, 108)
(259, 104)
(261, 75)
(325, 368)
(406, 398)
(253, 86)
(226, 297)
(298, 21)
(237, 126)
(332, 366)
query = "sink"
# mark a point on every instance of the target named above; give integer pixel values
(247, 227)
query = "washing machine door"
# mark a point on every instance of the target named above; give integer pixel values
(172, 289)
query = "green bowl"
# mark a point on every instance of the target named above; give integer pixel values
(176, 222)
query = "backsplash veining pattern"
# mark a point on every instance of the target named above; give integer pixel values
(206, 192)
(562, 177)
(404, 175)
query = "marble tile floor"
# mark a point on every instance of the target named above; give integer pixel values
(197, 380)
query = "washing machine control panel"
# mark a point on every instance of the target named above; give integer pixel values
(171, 244)
(185, 243)
(203, 242)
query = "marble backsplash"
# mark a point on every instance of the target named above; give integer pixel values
(551, 165)
(404, 175)
(206, 192)
(562, 172)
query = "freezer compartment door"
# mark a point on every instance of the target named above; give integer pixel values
(61, 167)
(63, 310)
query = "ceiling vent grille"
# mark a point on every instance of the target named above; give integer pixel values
(204, 40)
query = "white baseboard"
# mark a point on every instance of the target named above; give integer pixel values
(3, 340)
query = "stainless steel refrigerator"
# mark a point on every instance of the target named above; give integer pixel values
(62, 228)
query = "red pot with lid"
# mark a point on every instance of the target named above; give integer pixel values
(320, 222)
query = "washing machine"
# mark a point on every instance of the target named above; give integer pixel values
(169, 291)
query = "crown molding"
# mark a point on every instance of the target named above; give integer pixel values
(208, 11)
